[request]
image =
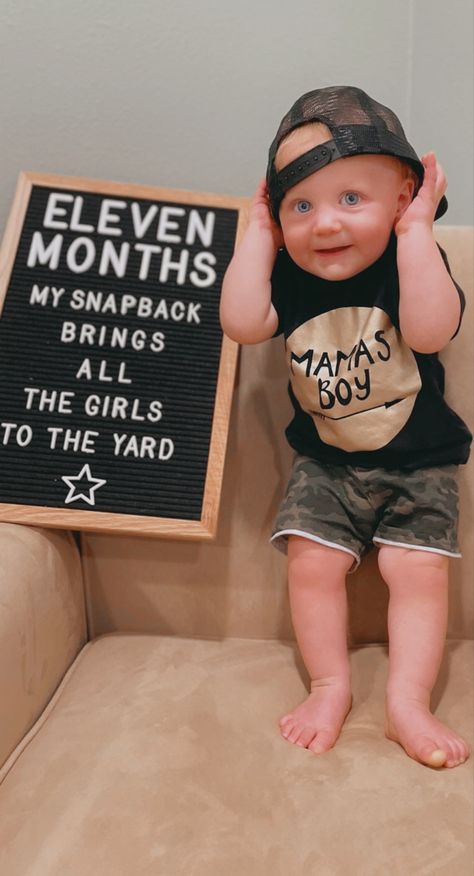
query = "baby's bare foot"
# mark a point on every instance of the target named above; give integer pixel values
(422, 736)
(317, 722)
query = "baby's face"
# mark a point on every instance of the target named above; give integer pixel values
(338, 221)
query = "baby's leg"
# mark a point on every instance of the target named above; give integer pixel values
(316, 577)
(417, 621)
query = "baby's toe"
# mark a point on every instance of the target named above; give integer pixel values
(431, 753)
(464, 750)
(295, 733)
(454, 755)
(437, 757)
(323, 741)
(306, 736)
(458, 753)
(286, 725)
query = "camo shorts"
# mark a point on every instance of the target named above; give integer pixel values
(349, 508)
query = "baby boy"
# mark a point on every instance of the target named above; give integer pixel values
(339, 257)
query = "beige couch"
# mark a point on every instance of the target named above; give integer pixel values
(142, 681)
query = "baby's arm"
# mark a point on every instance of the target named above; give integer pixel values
(429, 302)
(246, 310)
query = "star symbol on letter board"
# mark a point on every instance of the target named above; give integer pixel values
(90, 484)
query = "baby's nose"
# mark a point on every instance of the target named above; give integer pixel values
(325, 221)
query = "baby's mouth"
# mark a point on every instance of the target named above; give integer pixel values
(335, 250)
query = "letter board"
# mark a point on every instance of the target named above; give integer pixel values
(115, 378)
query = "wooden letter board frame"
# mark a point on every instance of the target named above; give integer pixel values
(123, 522)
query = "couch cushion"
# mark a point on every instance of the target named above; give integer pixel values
(162, 756)
(42, 623)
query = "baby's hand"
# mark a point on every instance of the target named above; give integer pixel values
(423, 208)
(261, 216)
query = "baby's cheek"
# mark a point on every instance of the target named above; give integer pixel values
(295, 242)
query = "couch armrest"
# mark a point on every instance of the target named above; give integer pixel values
(42, 623)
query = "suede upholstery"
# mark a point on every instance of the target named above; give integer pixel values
(142, 682)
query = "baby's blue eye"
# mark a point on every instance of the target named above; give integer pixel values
(351, 198)
(303, 206)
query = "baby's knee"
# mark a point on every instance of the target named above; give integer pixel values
(400, 565)
(310, 563)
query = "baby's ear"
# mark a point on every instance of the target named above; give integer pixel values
(405, 197)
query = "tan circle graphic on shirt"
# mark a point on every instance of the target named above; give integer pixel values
(351, 370)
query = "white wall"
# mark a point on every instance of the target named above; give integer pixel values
(188, 93)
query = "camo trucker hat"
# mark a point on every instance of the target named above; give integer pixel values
(359, 126)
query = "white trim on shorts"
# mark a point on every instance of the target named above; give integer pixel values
(283, 532)
(415, 547)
